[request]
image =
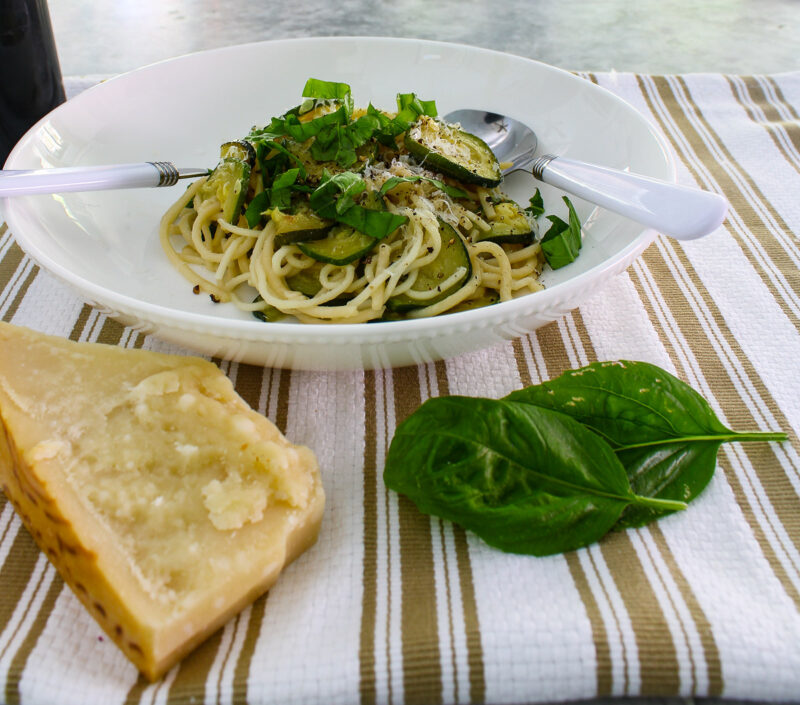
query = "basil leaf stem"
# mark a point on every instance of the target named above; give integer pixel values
(664, 432)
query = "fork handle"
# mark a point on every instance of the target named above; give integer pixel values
(92, 178)
(681, 212)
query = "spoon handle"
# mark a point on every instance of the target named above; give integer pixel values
(678, 211)
(92, 178)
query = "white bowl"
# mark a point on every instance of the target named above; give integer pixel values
(105, 244)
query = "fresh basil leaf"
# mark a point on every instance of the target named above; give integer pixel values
(562, 241)
(411, 107)
(388, 128)
(329, 90)
(664, 432)
(278, 192)
(536, 207)
(302, 131)
(256, 208)
(633, 404)
(524, 478)
(451, 191)
(275, 129)
(346, 200)
(333, 199)
(332, 188)
(286, 179)
(274, 159)
(377, 224)
(677, 471)
(363, 129)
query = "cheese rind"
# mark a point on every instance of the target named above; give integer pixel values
(162, 499)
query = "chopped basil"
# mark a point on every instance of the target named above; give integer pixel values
(329, 90)
(536, 207)
(256, 208)
(562, 241)
(334, 200)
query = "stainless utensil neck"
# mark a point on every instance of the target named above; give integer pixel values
(540, 163)
(168, 174)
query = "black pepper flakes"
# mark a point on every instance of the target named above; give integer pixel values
(196, 289)
(214, 298)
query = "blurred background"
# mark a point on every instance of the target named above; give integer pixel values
(646, 36)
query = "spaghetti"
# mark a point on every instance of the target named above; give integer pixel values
(421, 242)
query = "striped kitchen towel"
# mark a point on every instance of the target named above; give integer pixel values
(395, 607)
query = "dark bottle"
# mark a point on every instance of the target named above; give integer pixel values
(30, 77)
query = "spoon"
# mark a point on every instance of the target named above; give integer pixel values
(681, 212)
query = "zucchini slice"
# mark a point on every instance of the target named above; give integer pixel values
(453, 152)
(509, 225)
(229, 182)
(301, 226)
(488, 298)
(306, 281)
(340, 246)
(451, 257)
(270, 314)
(343, 244)
(242, 150)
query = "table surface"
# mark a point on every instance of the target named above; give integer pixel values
(650, 36)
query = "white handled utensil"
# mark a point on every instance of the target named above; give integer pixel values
(93, 178)
(678, 211)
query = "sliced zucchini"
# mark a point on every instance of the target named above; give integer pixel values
(307, 283)
(453, 152)
(301, 226)
(341, 246)
(229, 182)
(508, 225)
(485, 299)
(242, 150)
(270, 314)
(451, 257)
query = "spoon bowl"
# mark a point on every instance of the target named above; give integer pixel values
(513, 143)
(680, 212)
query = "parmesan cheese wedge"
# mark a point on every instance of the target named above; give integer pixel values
(163, 500)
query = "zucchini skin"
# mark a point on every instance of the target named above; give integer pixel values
(509, 225)
(301, 226)
(307, 283)
(454, 254)
(241, 150)
(229, 182)
(342, 245)
(471, 160)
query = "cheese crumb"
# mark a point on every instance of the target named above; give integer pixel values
(231, 504)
